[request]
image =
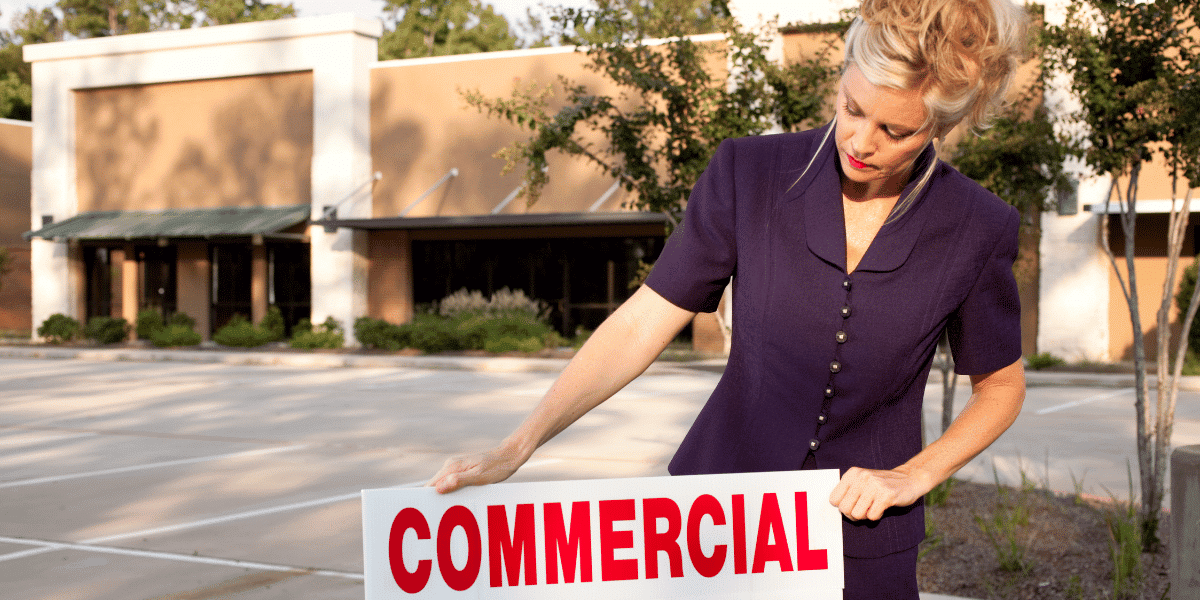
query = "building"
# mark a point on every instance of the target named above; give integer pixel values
(16, 161)
(223, 170)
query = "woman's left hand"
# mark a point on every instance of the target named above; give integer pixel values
(866, 493)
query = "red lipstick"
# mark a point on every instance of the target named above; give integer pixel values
(857, 164)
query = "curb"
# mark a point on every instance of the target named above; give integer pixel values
(497, 364)
(491, 364)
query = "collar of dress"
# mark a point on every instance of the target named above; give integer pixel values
(824, 222)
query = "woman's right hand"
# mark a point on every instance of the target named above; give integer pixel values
(482, 468)
(619, 350)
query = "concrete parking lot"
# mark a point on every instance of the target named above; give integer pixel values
(204, 480)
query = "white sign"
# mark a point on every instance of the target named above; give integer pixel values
(745, 536)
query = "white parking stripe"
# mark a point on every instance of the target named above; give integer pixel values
(1074, 403)
(47, 546)
(27, 441)
(232, 517)
(129, 469)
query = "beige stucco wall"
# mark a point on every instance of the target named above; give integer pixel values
(421, 128)
(16, 160)
(1151, 270)
(242, 141)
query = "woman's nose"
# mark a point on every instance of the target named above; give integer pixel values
(863, 142)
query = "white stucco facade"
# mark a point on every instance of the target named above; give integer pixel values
(1073, 295)
(1073, 288)
(338, 50)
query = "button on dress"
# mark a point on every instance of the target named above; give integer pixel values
(825, 365)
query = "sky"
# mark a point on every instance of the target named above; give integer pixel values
(514, 10)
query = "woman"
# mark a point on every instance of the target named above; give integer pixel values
(851, 249)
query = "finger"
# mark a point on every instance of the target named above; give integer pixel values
(449, 483)
(449, 477)
(844, 484)
(862, 507)
(848, 502)
(877, 510)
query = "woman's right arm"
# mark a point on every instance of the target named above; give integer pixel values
(618, 351)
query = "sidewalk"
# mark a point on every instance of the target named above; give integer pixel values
(499, 364)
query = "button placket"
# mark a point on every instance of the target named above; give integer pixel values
(835, 365)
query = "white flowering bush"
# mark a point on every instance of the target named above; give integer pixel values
(503, 302)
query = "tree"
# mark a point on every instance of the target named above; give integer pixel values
(29, 27)
(225, 12)
(1133, 67)
(442, 27)
(99, 18)
(658, 19)
(673, 110)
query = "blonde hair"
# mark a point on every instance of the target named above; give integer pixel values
(960, 54)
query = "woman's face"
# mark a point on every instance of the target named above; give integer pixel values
(880, 132)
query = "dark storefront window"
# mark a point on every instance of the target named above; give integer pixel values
(582, 280)
(99, 267)
(156, 275)
(290, 268)
(232, 269)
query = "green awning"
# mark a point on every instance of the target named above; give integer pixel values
(174, 223)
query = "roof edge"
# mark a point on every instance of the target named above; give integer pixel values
(502, 220)
(237, 33)
(524, 52)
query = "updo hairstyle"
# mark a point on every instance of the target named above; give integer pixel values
(960, 54)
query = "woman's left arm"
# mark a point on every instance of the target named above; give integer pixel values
(996, 400)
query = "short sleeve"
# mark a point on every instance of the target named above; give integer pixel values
(985, 331)
(699, 257)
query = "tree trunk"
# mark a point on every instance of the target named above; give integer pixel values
(949, 381)
(1168, 379)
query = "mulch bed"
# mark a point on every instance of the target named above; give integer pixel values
(1066, 545)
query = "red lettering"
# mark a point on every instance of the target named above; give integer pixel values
(667, 541)
(612, 569)
(577, 544)
(459, 516)
(739, 534)
(770, 527)
(411, 582)
(806, 559)
(510, 549)
(705, 506)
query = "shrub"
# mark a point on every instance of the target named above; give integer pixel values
(1041, 361)
(523, 329)
(379, 334)
(1186, 284)
(327, 335)
(240, 333)
(505, 301)
(272, 324)
(59, 328)
(508, 301)
(461, 302)
(106, 330)
(148, 321)
(465, 320)
(431, 334)
(512, 344)
(183, 319)
(175, 334)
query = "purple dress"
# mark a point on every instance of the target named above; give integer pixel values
(828, 366)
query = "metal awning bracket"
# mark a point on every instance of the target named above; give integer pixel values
(452, 173)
